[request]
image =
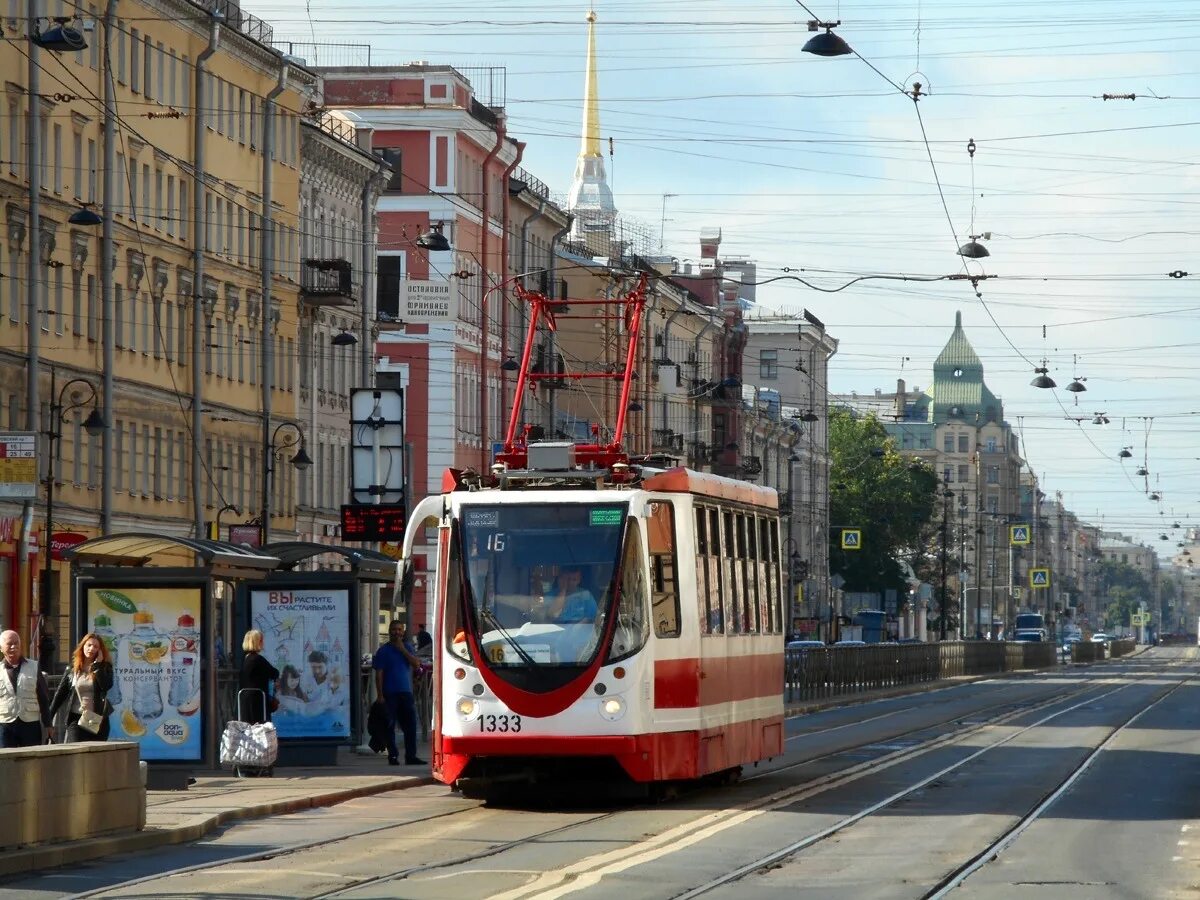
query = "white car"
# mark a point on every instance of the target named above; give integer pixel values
(1100, 638)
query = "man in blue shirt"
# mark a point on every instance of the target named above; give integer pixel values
(394, 663)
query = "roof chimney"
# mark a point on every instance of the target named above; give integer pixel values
(901, 398)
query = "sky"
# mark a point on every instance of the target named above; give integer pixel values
(828, 168)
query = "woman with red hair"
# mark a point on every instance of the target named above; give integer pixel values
(86, 685)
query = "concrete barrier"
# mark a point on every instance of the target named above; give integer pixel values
(67, 792)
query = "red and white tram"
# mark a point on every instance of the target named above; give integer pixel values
(595, 616)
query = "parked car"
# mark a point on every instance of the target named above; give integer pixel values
(1100, 638)
(804, 645)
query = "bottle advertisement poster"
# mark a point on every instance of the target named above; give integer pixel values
(306, 636)
(153, 638)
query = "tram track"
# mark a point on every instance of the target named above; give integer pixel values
(774, 800)
(956, 878)
(960, 874)
(792, 794)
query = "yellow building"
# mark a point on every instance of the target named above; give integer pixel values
(190, 91)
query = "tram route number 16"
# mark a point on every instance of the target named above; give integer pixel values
(489, 723)
(496, 542)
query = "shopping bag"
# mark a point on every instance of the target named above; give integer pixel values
(243, 744)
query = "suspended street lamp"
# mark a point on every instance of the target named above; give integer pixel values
(1042, 377)
(827, 44)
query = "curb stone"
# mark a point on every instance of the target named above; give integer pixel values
(50, 856)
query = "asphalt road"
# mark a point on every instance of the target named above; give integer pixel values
(885, 799)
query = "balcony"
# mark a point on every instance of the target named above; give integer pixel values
(327, 282)
(665, 440)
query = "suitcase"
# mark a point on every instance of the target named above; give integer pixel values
(249, 749)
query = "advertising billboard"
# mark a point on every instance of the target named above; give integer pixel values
(153, 636)
(306, 636)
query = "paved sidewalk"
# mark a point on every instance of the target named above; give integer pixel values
(217, 797)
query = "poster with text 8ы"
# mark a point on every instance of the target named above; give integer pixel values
(306, 636)
(153, 637)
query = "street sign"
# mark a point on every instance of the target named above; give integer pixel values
(851, 539)
(1039, 578)
(1017, 593)
(1018, 535)
(18, 465)
(427, 301)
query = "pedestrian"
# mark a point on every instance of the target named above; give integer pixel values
(86, 683)
(258, 675)
(424, 639)
(24, 698)
(394, 663)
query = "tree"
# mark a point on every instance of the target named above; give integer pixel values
(873, 488)
(1125, 589)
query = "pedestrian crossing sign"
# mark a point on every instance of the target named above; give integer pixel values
(851, 539)
(1018, 535)
(1039, 578)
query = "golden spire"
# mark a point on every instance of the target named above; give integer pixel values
(591, 98)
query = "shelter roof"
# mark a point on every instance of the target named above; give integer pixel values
(147, 549)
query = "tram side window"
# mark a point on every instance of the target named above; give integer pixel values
(633, 628)
(777, 594)
(732, 572)
(660, 527)
(702, 590)
(718, 580)
(455, 640)
(756, 595)
(770, 576)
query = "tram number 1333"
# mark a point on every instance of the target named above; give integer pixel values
(492, 723)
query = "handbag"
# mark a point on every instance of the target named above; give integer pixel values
(91, 721)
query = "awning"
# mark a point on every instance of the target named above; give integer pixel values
(365, 565)
(220, 559)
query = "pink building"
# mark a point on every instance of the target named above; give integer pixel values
(454, 169)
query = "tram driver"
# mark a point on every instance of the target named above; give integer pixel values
(570, 601)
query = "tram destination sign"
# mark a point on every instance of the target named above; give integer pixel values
(381, 522)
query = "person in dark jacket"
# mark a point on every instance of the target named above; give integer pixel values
(257, 674)
(85, 686)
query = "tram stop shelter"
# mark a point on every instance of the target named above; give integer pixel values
(312, 609)
(151, 599)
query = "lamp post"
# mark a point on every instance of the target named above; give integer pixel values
(947, 494)
(271, 452)
(95, 425)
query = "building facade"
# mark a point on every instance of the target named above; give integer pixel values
(171, 289)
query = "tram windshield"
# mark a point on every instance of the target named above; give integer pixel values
(541, 579)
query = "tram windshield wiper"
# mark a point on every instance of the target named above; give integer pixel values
(487, 614)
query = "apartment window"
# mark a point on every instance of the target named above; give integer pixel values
(993, 475)
(183, 208)
(58, 153)
(170, 223)
(145, 191)
(158, 466)
(172, 76)
(768, 364)
(241, 131)
(991, 445)
(964, 444)
(120, 53)
(77, 181)
(394, 159)
(147, 68)
(964, 474)
(76, 301)
(160, 88)
(14, 134)
(993, 503)
(146, 460)
(91, 163)
(131, 174)
(93, 316)
(185, 72)
(948, 474)
(135, 61)
(158, 198)
(948, 443)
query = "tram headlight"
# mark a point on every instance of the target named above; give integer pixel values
(466, 707)
(612, 708)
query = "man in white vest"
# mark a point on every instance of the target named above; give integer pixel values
(24, 699)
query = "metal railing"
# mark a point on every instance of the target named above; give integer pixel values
(821, 672)
(326, 55)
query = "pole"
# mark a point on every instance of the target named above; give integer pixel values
(946, 495)
(992, 585)
(1011, 606)
(267, 234)
(54, 434)
(107, 332)
(485, 449)
(200, 92)
(33, 336)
